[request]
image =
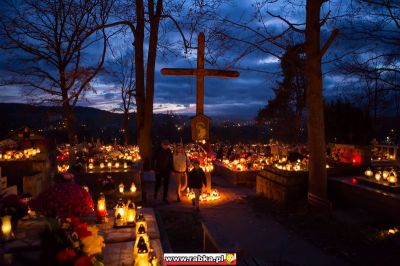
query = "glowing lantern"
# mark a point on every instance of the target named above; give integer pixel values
(368, 173)
(109, 165)
(117, 165)
(125, 165)
(1, 156)
(6, 229)
(121, 188)
(101, 165)
(378, 176)
(385, 174)
(153, 258)
(131, 213)
(91, 166)
(142, 256)
(120, 213)
(392, 178)
(133, 187)
(140, 221)
(101, 208)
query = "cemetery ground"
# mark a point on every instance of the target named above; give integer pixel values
(260, 229)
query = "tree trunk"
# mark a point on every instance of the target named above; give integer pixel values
(126, 127)
(317, 185)
(146, 136)
(142, 130)
(69, 117)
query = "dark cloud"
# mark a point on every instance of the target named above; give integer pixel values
(240, 97)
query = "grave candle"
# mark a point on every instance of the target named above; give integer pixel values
(109, 165)
(101, 165)
(91, 166)
(120, 210)
(385, 174)
(116, 165)
(142, 257)
(131, 213)
(133, 187)
(121, 188)
(101, 208)
(392, 179)
(140, 221)
(125, 165)
(6, 228)
(378, 176)
(368, 173)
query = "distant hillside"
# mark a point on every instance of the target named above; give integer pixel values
(95, 123)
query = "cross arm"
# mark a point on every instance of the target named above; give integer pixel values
(178, 71)
(221, 73)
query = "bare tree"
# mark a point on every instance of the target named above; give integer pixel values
(125, 78)
(145, 22)
(317, 181)
(49, 40)
(374, 32)
(271, 42)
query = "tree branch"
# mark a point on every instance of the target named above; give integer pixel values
(328, 43)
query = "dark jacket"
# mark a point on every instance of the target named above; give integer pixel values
(197, 178)
(163, 160)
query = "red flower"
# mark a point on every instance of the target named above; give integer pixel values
(75, 221)
(82, 231)
(65, 255)
(84, 261)
(63, 200)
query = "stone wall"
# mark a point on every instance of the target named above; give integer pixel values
(244, 178)
(282, 186)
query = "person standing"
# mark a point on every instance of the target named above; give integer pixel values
(196, 180)
(181, 164)
(162, 167)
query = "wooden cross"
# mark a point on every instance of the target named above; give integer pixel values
(200, 72)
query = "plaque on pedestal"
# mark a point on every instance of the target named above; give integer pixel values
(200, 127)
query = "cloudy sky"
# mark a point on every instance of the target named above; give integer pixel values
(236, 98)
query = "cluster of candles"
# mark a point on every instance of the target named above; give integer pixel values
(132, 189)
(380, 155)
(62, 168)
(248, 164)
(103, 157)
(108, 164)
(125, 153)
(213, 195)
(19, 154)
(207, 165)
(127, 215)
(299, 165)
(384, 176)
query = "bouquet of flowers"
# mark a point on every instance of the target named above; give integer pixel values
(63, 200)
(73, 243)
